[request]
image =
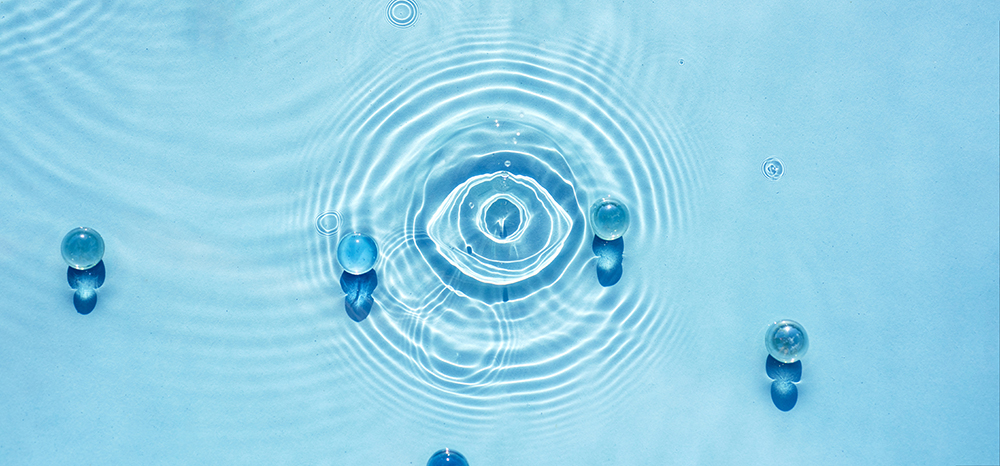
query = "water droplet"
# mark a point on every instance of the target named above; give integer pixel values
(401, 13)
(357, 253)
(447, 457)
(328, 223)
(786, 341)
(609, 218)
(502, 182)
(503, 218)
(82, 248)
(772, 168)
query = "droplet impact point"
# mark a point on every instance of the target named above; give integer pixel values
(447, 457)
(609, 219)
(357, 253)
(786, 341)
(82, 248)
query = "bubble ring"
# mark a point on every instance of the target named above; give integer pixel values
(401, 21)
(321, 223)
(772, 169)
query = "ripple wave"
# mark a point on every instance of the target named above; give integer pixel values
(473, 161)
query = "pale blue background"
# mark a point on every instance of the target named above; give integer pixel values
(176, 129)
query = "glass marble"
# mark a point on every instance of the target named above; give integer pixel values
(786, 341)
(609, 219)
(82, 248)
(447, 457)
(357, 253)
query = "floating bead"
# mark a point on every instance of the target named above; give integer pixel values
(609, 219)
(786, 341)
(82, 248)
(357, 253)
(447, 457)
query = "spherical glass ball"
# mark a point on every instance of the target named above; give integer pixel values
(357, 253)
(609, 218)
(82, 248)
(447, 457)
(786, 341)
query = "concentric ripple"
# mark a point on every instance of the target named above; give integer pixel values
(474, 168)
(515, 232)
(401, 13)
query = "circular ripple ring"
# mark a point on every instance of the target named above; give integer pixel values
(401, 13)
(480, 164)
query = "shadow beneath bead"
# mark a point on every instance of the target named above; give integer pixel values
(85, 282)
(609, 260)
(359, 288)
(784, 393)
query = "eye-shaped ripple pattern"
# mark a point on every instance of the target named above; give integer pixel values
(474, 166)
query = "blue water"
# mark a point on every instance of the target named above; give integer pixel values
(224, 150)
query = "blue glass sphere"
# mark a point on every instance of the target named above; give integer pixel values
(357, 253)
(786, 341)
(82, 248)
(609, 219)
(447, 457)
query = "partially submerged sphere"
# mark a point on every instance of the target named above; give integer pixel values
(82, 248)
(357, 253)
(447, 457)
(609, 219)
(786, 341)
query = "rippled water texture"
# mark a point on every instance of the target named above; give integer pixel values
(475, 167)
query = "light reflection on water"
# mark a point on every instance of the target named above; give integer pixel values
(467, 317)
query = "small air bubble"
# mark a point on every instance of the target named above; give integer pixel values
(506, 163)
(682, 61)
(772, 168)
(328, 223)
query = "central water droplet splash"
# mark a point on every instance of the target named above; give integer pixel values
(517, 230)
(502, 218)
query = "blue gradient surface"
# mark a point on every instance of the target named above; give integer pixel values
(206, 141)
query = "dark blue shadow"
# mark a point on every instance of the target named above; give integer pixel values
(86, 283)
(447, 457)
(359, 288)
(784, 393)
(609, 260)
